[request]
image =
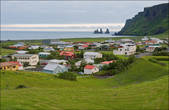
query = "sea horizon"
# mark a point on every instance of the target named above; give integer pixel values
(40, 35)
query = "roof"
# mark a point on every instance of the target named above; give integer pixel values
(46, 53)
(66, 53)
(89, 67)
(85, 46)
(91, 53)
(107, 62)
(52, 67)
(57, 61)
(15, 62)
(23, 55)
(21, 52)
(7, 64)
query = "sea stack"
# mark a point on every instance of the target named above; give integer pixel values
(107, 31)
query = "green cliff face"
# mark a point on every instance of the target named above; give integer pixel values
(153, 20)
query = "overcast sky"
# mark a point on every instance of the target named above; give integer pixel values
(74, 12)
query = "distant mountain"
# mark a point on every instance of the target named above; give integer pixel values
(153, 20)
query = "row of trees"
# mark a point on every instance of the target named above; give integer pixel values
(162, 51)
(117, 67)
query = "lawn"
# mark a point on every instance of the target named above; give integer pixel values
(144, 86)
(7, 51)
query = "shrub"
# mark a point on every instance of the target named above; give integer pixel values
(156, 61)
(21, 86)
(68, 76)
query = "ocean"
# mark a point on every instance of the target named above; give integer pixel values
(35, 35)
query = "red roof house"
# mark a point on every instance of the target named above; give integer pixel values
(67, 55)
(89, 69)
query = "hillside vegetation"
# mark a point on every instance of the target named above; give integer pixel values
(152, 21)
(144, 86)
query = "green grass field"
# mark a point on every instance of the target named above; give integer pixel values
(144, 86)
(7, 51)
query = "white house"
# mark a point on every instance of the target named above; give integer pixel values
(56, 66)
(145, 38)
(48, 49)
(21, 52)
(151, 48)
(92, 55)
(89, 69)
(125, 49)
(34, 47)
(126, 41)
(32, 59)
(157, 40)
(64, 62)
(43, 54)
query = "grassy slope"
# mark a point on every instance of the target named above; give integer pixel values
(6, 51)
(123, 92)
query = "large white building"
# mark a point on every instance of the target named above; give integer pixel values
(32, 59)
(125, 49)
(92, 55)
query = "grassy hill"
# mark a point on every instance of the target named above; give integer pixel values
(144, 86)
(152, 21)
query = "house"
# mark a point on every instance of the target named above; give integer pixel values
(21, 52)
(34, 47)
(151, 48)
(31, 59)
(63, 62)
(157, 40)
(126, 41)
(92, 55)
(22, 47)
(48, 49)
(69, 48)
(125, 49)
(150, 42)
(54, 68)
(43, 54)
(89, 69)
(9, 66)
(145, 38)
(43, 62)
(82, 47)
(19, 44)
(20, 66)
(67, 55)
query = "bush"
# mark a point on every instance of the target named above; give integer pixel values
(68, 76)
(156, 61)
(21, 86)
(162, 53)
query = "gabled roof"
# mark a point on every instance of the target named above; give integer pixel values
(64, 53)
(15, 62)
(52, 67)
(107, 62)
(89, 67)
(7, 64)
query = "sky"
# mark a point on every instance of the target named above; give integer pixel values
(72, 15)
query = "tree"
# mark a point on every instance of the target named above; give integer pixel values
(25, 64)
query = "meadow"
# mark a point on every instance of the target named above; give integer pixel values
(144, 86)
